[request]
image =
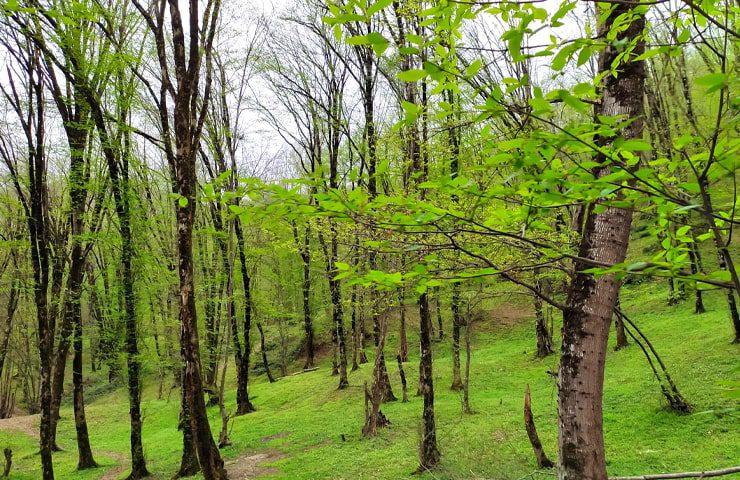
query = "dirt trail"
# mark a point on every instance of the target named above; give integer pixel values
(245, 467)
(248, 466)
(117, 470)
(28, 424)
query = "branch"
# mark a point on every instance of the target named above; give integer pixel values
(661, 476)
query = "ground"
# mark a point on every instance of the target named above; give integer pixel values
(304, 428)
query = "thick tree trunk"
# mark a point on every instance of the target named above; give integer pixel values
(189, 465)
(208, 455)
(591, 300)
(428, 451)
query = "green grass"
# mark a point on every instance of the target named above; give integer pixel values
(641, 435)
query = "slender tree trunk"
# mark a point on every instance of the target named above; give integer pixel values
(591, 300)
(265, 363)
(466, 382)
(619, 330)
(84, 451)
(438, 309)
(402, 373)
(11, 308)
(544, 335)
(243, 404)
(428, 452)
(695, 259)
(456, 323)
(337, 310)
(355, 334)
(403, 344)
(305, 250)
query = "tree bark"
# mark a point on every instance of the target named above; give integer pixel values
(456, 323)
(428, 452)
(591, 300)
(85, 456)
(305, 252)
(403, 344)
(241, 356)
(265, 363)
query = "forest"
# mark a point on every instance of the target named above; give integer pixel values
(369, 239)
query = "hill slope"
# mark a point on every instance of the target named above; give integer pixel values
(306, 429)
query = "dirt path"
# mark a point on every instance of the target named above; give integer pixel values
(245, 467)
(248, 466)
(28, 424)
(117, 470)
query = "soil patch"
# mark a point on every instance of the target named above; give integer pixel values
(248, 466)
(28, 424)
(276, 436)
(117, 470)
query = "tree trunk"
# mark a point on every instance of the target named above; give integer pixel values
(695, 259)
(438, 308)
(403, 379)
(428, 452)
(591, 300)
(265, 363)
(466, 382)
(10, 313)
(189, 465)
(337, 311)
(403, 345)
(456, 323)
(305, 252)
(243, 404)
(208, 456)
(84, 451)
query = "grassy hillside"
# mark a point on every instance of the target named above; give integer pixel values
(301, 419)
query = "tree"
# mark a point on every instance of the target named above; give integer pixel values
(591, 300)
(189, 110)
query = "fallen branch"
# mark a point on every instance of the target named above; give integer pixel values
(534, 439)
(305, 370)
(666, 476)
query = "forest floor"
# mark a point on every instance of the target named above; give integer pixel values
(304, 428)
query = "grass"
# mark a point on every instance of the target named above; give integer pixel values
(641, 435)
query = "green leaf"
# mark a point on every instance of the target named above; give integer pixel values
(182, 201)
(562, 57)
(713, 81)
(378, 6)
(413, 75)
(636, 146)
